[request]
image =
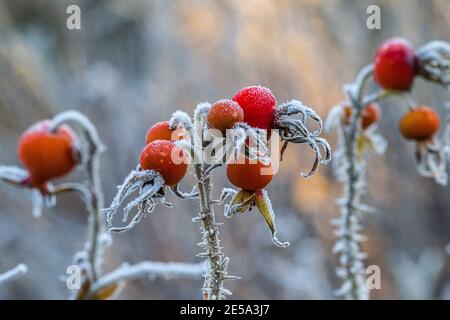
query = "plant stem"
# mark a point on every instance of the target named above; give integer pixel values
(94, 195)
(149, 269)
(350, 218)
(12, 274)
(215, 272)
(96, 225)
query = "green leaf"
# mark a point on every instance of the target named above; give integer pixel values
(264, 206)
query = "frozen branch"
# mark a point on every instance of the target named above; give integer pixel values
(216, 263)
(12, 274)
(350, 169)
(151, 270)
(91, 148)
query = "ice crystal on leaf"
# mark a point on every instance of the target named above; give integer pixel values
(148, 184)
(295, 130)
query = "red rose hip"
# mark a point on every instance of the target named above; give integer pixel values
(46, 155)
(166, 158)
(395, 65)
(249, 175)
(258, 104)
(162, 131)
(224, 114)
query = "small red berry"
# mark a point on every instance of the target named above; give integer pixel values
(224, 114)
(395, 65)
(166, 158)
(46, 155)
(420, 124)
(248, 175)
(259, 105)
(370, 114)
(162, 131)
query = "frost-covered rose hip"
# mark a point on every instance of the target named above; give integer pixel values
(166, 158)
(224, 114)
(395, 65)
(249, 174)
(162, 131)
(46, 155)
(370, 114)
(259, 105)
(420, 124)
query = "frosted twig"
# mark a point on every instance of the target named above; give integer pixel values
(91, 148)
(13, 274)
(350, 167)
(216, 263)
(151, 270)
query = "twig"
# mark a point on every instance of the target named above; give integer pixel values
(12, 274)
(216, 270)
(92, 149)
(216, 265)
(352, 268)
(148, 269)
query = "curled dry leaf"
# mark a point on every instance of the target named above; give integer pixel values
(295, 130)
(245, 200)
(149, 184)
(434, 62)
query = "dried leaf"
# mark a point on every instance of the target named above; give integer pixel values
(240, 203)
(264, 206)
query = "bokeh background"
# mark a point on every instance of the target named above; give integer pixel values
(135, 62)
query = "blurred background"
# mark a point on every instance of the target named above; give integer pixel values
(135, 62)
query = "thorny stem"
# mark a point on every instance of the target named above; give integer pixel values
(216, 264)
(349, 212)
(216, 272)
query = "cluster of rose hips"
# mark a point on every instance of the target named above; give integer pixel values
(48, 155)
(395, 67)
(252, 105)
(170, 145)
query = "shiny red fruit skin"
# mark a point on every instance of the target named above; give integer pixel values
(247, 175)
(160, 156)
(46, 155)
(224, 114)
(395, 65)
(162, 131)
(259, 105)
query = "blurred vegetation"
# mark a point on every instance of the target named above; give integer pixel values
(135, 62)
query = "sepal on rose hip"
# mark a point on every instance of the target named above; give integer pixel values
(149, 185)
(433, 62)
(295, 130)
(245, 200)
